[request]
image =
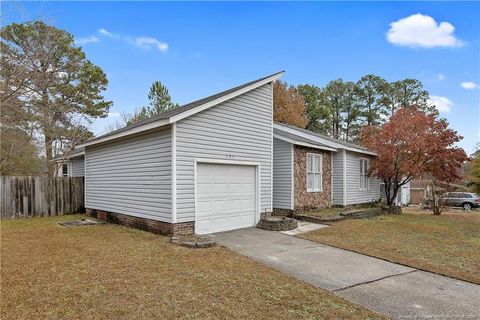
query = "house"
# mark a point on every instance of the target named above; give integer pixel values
(420, 187)
(311, 170)
(405, 195)
(201, 168)
(71, 164)
(218, 164)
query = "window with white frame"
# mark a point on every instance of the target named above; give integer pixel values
(363, 169)
(65, 170)
(314, 172)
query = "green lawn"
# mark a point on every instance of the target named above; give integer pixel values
(448, 244)
(111, 272)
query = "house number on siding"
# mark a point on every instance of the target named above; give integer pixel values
(229, 156)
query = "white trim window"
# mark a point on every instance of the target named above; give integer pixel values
(363, 171)
(64, 169)
(314, 172)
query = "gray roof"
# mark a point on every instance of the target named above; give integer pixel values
(77, 152)
(346, 144)
(184, 108)
(300, 139)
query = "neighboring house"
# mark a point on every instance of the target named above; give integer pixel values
(204, 167)
(404, 194)
(420, 187)
(71, 165)
(315, 171)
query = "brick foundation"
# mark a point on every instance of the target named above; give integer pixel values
(153, 226)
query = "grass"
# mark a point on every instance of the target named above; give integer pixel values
(448, 244)
(111, 272)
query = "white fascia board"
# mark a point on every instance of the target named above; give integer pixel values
(148, 126)
(224, 98)
(323, 141)
(76, 155)
(68, 157)
(300, 143)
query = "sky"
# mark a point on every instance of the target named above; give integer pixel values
(200, 48)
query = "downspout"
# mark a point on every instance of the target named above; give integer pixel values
(174, 171)
(344, 159)
(331, 178)
(292, 177)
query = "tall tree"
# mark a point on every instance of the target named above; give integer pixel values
(18, 153)
(159, 102)
(411, 143)
(318, 112)
(474, 172)
(351, 113)
(288, 105)
(405, 93)
(334, 98)
(339, 97)
(369, 91)
(55, 83)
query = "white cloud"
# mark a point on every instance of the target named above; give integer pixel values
(422, 31)
(469, 85)
(106, 33)
(114, 114)
(443, 104)
(440, 77)
(149, 42)
(91, 39)
(142, 42)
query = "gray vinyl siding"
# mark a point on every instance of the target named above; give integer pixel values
(337, 178)
(131, 176)
(353, 192)
(282, 174)
(78, 167)
(239, 129)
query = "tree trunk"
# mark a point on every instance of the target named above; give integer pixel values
(390, 192)
(387, 187)
(394, 194)
(49, 154)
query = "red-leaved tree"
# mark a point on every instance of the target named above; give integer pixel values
(409, 144)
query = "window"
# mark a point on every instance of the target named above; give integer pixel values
(363, 166)
(65, 170)
(314, 172)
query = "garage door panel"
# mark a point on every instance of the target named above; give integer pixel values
(225, 197)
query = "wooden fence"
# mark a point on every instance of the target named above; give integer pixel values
(40, 196)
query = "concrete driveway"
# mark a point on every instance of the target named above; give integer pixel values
(395, 290)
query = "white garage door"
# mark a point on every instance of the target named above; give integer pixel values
(225, 197)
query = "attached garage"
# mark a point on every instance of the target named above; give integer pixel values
(203, 167)
(225, 197)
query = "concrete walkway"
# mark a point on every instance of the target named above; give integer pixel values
(399, 292)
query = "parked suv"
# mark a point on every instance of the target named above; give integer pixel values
(466, 200)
